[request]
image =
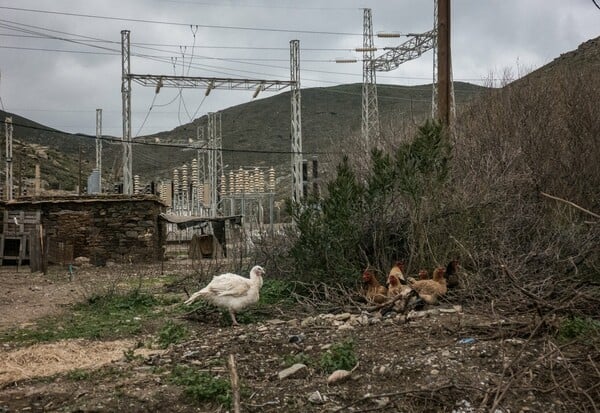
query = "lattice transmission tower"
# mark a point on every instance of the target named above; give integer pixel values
(414, 47)
(215, 160)
(370, 108)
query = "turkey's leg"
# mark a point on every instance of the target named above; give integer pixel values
(233, 320)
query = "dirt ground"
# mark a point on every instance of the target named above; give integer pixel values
(446, 359)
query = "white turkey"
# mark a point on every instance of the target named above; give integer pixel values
(232, 291)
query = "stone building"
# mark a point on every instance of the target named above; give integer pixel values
(102, 228)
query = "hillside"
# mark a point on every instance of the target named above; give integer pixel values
(58, 154)
(329, 116)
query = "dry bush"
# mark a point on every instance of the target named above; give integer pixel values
(535, 136)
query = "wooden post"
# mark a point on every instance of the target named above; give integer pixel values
(444, 65)
(235, 385)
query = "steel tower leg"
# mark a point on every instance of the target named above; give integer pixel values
(370, 110)
(126, 97)
(296, 121)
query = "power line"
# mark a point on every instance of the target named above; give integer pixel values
(260, 6)
(40, 49)
(166, 145)
(139, 44)
(162, 59)
(208, 26)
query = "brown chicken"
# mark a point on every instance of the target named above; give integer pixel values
(375, 292)
(396, 282)
(452, 273)
(431, 290)
(423, 275)
(395, 286)
(398, 270)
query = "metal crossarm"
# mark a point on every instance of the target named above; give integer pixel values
(197, 82)
(409, 50)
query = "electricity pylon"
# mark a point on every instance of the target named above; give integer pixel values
(413, 48)
(215, 160)
(208, 83)
(370, 109)
(296, 122)
(99, 147)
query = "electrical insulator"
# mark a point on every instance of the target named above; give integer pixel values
(232, 188)
(261, 181)
(238, 183)
(175, 180)
(184, 178)
(246, 181)
(272, 179)
(195, 172)
(387, 35)
(136, 184)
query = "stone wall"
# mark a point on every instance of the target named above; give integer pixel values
(119, 229)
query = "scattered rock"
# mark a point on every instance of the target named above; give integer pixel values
(296, 371)
(317, 398)
(82, 262)
(275, 322)
(342, 316)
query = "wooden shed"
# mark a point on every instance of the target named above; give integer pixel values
(56, 230)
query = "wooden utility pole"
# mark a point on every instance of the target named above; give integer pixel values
(79, 178)
(444, 63)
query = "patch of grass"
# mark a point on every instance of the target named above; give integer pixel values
(100, 317)
(171, 333)
(340, 356)
(79, 375)
(201, 387)
(578, 328)
(302, 358)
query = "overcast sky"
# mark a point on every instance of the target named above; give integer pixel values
(61, 59)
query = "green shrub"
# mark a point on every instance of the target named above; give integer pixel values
(201, 386)
(299, 358)
(275, 292)
(171, 333)
(79, 375)
(373, 219)
(578, 327)
(339, 356)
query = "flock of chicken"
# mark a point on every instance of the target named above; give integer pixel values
(428, 290)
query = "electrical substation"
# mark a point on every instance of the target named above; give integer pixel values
(202, 195)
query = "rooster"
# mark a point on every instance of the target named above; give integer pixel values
(375, 292)
(431, 290)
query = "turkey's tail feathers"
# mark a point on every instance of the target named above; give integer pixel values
(194, 297)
